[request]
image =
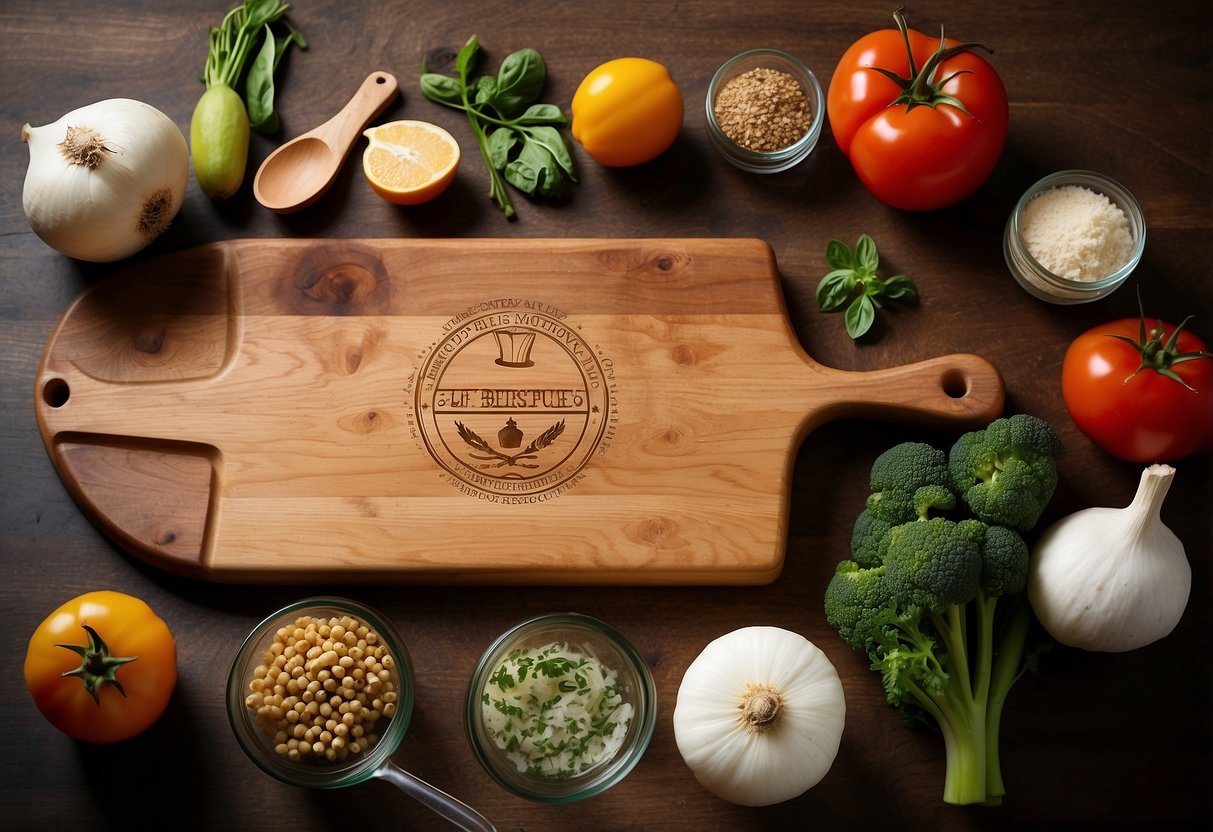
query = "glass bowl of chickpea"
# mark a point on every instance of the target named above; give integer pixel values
(320, 695)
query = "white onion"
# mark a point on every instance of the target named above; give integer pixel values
(104, 180)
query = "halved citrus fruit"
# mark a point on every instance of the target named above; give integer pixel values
(409, 162)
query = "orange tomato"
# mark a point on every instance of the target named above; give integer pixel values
(627, 111)
(102, 667)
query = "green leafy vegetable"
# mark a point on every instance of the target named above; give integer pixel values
(519, 139)
(854, 284)
(938, 603)
(222, 118)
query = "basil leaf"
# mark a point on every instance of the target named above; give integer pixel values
(442, 89)
(523, 174)
(486, 90)
(519, 81)
(542, 114)
(859, 316)
(900, 287)
(838, 255)
(259, 86)
(866, 257)
(550, 139)
(501, 142)
(834, 289)
(465, 61)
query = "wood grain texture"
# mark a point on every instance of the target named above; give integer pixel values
(295, 383)
(1090, 742)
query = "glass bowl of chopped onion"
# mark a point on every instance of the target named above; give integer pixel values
(764, 111)
(1075, 236)
(560, 708)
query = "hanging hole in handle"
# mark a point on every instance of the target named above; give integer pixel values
(379, 79)
(956, 384)
(56, 392)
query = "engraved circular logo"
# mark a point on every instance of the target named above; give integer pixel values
(513, 402)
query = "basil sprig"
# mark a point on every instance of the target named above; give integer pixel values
(854, 284)
(518, 138)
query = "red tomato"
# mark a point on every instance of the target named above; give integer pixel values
(1143, 416)
(127, 643)
(910, 143)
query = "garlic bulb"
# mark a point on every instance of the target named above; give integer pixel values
(1112, 579)
(759, 716)
(105, 180)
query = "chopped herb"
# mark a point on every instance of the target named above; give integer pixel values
(565, 715)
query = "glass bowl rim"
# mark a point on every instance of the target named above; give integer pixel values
(601, 777)
(1110, 188)
(335, 776)
(803, 145)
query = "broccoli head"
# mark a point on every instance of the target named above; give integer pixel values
(935, 563)
(1007, 472)
(898, 474)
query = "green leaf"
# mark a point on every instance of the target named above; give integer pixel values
(465, 61)
(442, 89)
(501, 142)
(860, 315)
(259, 86)
(900, 287)
(866, 258)
(542, 114)
(551, 141)
(834, 289)
(519, 81)
(838, 255)
(486, 90)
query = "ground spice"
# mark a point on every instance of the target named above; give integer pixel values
(763, 110)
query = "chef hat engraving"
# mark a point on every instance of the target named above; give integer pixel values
(514, 346)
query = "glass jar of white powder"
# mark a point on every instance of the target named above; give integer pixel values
(1074, 237)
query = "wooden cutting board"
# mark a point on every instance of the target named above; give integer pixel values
(488, 411)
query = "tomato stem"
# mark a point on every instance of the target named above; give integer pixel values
(97, 667)
(920, 89)
(1155, 355)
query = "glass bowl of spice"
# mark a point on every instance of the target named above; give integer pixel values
(560, 708)
(1074, 237)
(320, 695)
(764, 110)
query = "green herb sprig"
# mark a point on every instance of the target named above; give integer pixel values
(233, 41)
(854, 284)
(518, 138)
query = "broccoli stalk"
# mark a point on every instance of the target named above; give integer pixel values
(938, 605)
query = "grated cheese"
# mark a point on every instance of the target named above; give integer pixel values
(555, 711)
(1076, 233)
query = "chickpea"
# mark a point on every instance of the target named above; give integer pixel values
(321, 688)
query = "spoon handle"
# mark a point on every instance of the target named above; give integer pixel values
(371, 99)
(433, 798)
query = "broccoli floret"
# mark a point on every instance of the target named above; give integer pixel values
(937, 603)
(1007, 472)
(866, 538)
(855, 600)
(935, 563)
(1004, 562)
(898, 473)
(908, 482)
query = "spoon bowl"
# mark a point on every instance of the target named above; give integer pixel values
(300, 171)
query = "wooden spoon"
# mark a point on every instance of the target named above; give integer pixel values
(299, 172)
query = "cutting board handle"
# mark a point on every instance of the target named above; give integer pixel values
(948, 391)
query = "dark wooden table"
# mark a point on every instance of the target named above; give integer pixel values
(1093, 741)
